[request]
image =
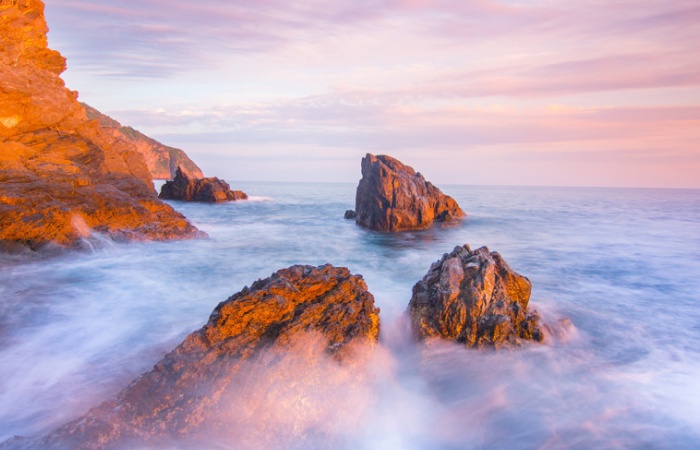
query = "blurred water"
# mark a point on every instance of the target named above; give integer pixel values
(622, 264)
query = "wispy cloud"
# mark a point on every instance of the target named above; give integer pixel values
(449, 75)
(169, 32)
(334, 122)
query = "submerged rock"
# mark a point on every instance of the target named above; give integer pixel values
(61, 175)
(190, 189)
(474, 298)
(393, 197)
(319, 312)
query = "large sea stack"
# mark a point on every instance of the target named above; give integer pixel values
(393, 197)
(191, 189)
(62, 175)
(263, 344)
(162, 161)
(476, 299)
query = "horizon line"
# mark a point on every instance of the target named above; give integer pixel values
(480, 185)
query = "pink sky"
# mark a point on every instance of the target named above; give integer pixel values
(586, 93)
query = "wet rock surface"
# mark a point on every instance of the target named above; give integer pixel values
(319, 312)
(162, 161)
(63, 176)
(393, 197)
(190, 189)
(476, 299)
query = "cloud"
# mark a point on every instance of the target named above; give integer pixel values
(175, 36)
(332, 121)
(613, 80)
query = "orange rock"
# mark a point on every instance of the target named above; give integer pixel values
(57, 168)
(320, 312)
(393, 197)
(162, 161)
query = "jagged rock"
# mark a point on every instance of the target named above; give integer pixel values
(162, 161)
(321, 312)
(350, 214)
(476, 299)
(61, 175)
(33, 96)
(393, 197)
(190, 189)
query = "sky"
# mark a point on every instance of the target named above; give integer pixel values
(483, 92)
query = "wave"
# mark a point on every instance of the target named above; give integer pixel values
(259, 198)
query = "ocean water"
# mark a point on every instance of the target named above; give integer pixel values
(622, 264)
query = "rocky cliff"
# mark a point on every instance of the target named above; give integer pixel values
(63, 176)
(476, 299)
(393, 197)
(257, 344)
(162, 161)
(191, 189)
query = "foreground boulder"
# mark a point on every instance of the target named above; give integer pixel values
(476, 299)
(162, 161)
(63, 176)
(204, 386)
(393, 197)
(190, 189)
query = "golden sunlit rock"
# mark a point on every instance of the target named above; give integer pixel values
(393, 197)
(162, 161)
(57, 168)
(302, 323)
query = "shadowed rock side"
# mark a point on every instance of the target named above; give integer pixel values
(476, 299)
(162, 161)
(322, 312)
(212, 190)
(61, 175)
(393, 197)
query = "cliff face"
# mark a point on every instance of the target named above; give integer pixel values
(162, 161)
(62, 175)
(32, 96)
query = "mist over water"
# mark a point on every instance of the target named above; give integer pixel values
(621, 264)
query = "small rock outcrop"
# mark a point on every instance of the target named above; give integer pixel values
(162, 161)
(393, 197)
(62, 175)
(189, 392)
(190, 189)
(476, 299)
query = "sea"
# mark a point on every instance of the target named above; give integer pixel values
(623, 265)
